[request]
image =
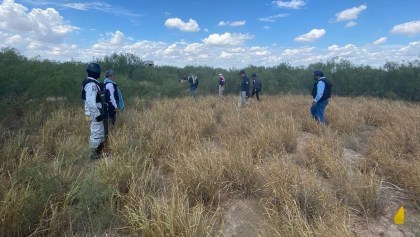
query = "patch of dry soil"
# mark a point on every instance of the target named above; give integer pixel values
(242, 218)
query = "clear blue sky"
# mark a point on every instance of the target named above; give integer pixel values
(227, 34)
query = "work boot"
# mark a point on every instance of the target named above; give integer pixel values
(96, 154)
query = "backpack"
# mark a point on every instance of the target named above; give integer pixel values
(99, 84)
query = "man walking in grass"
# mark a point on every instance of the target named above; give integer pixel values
(256, 86)
(321, 92)
(243, 99)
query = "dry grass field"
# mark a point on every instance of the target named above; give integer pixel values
(203, 167)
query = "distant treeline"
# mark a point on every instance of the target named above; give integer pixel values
(24, 80)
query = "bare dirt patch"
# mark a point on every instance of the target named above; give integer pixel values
(242, 218)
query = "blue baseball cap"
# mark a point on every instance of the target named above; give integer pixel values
(318, 73)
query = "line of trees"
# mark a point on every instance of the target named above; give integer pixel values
(23, 80)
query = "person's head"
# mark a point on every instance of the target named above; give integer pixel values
(318, 74)
(93, 70)
(110, 74)
(254, 75)
(242, 73)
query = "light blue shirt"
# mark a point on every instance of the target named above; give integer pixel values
(320, 87)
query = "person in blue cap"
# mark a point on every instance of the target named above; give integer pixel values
(321, 92)
(114, 96)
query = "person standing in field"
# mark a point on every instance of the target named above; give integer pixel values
(91, 94)
(256, 86)
(193, 80)
(221, 85)
(243, 99)
(113, 96)
(321, 92)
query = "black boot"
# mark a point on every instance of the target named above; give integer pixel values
(97, 152)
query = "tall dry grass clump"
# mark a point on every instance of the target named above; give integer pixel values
(395, 151)
(299, 204)
(324, 155)
(147, 215)
(171, 165)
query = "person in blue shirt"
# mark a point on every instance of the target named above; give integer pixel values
(321, 92)
(114, 96)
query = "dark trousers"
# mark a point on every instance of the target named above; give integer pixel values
(256, 92)
(111, 114)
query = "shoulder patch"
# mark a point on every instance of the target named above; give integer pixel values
(94, 88)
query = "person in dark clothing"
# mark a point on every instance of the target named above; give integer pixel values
(114, 96)
(193, 80)
(321, 92)
(243, 99)
(256, 86)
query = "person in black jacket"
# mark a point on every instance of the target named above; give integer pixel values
(113, 96)
(321, 92)
(243, 99)
(193, 80)
(256, 86)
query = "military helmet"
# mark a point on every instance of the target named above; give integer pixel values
(93, 67)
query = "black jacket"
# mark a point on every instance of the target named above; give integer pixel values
(327, 90)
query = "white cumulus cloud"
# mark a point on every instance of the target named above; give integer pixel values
(227, 39)
(293, 4)
(410, 28)
(351, 13)
(38, 24)
(412, 49)
(311, 36)
(190, 26)
(194, 48)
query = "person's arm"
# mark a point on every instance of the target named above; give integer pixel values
(319, 91)
(110, 88)
(91, 92)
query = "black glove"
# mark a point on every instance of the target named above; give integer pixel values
(99, 118)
